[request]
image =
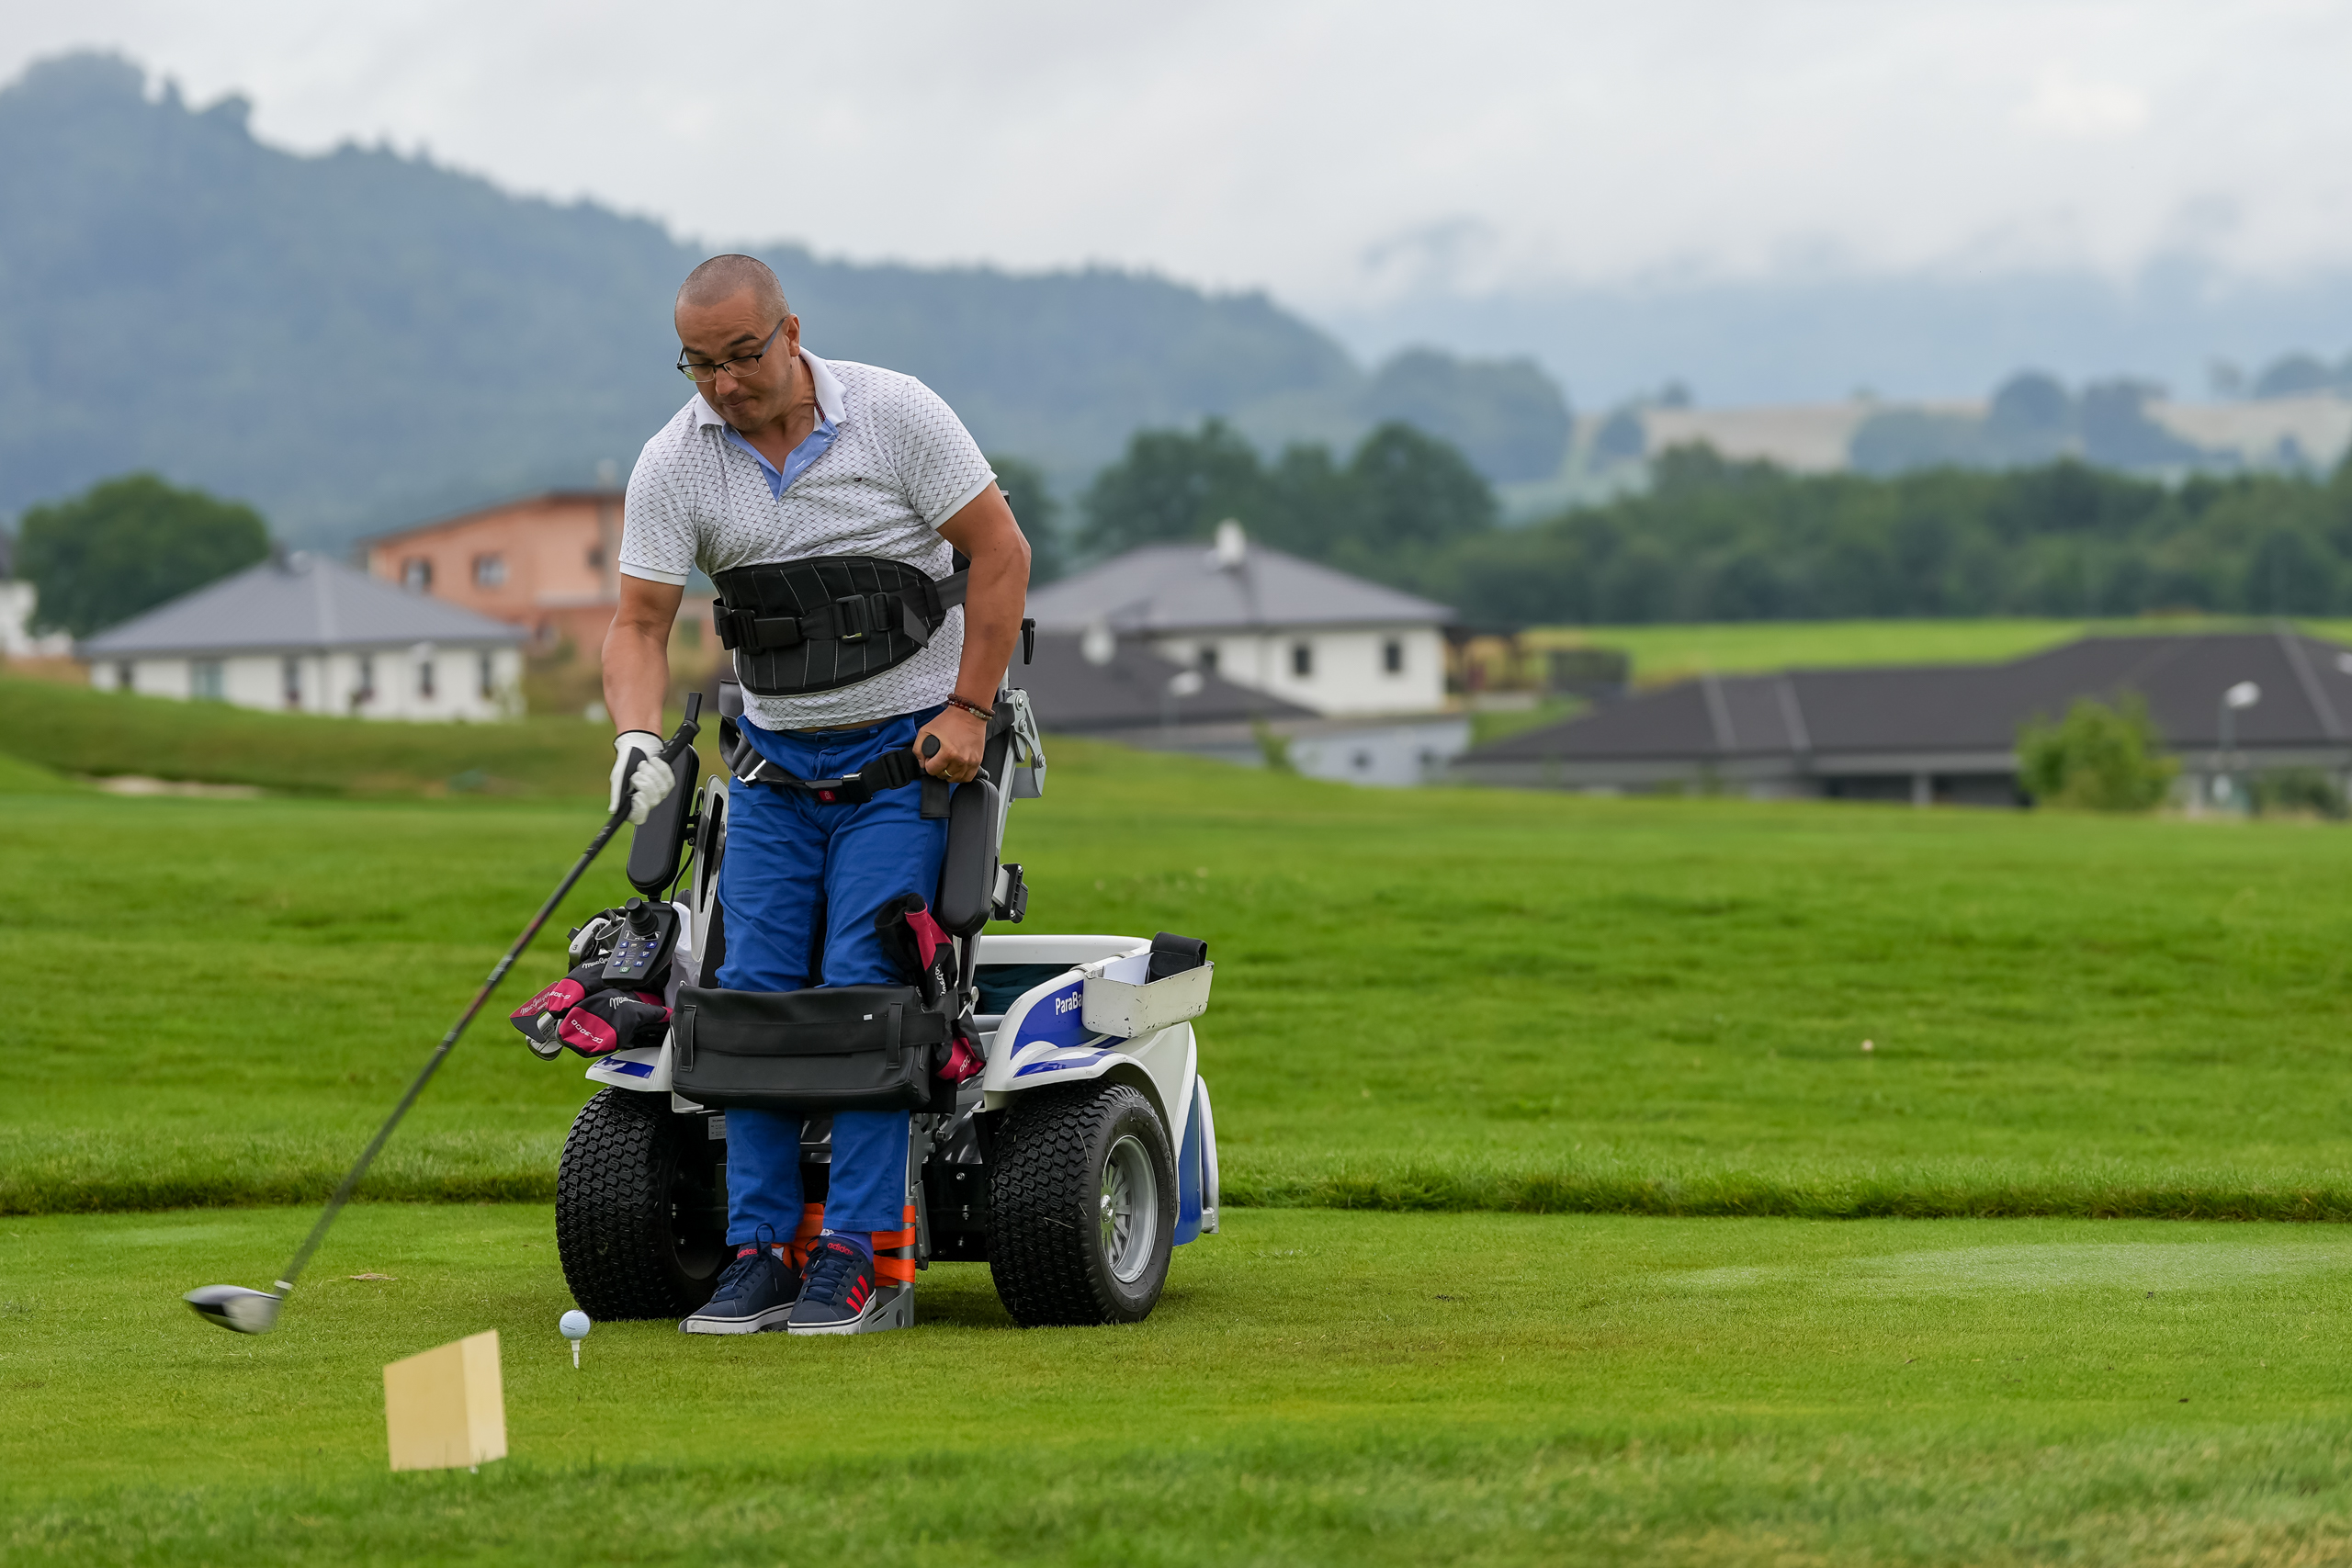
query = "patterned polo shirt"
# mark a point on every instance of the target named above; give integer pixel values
(899, 464)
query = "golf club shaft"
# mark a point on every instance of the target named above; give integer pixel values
(678, 743)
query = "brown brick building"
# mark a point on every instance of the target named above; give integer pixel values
(543, 562)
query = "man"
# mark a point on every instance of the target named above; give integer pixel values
(782, 458)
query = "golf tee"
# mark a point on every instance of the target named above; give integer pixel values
(575, 1355)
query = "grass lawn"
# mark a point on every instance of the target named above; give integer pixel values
(1425, 999)
(72, 730)
(1315, 1387)
(1666, 653)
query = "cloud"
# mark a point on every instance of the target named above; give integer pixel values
(2063, 103)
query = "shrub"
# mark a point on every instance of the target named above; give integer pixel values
(2290, 790)
(2098, 759)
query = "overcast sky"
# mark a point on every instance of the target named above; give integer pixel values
(1338, 154)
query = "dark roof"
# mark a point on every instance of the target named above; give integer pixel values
(1179, 588)
(2306, 700)
(1074, 697)
(303, 602)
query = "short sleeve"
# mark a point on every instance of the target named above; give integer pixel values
(939, 463)
(656, 519)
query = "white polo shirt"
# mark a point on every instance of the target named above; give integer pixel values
(900, 463)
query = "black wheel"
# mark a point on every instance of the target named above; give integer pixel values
(1082, 1206)
(640, 1208)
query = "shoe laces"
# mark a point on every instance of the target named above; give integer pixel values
(738, 1276)
(831, 1266)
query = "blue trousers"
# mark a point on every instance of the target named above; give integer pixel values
(800, 885)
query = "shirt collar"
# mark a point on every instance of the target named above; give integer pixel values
(831, 405)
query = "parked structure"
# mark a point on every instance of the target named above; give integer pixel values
(1269, 622)
(1941, 734)
(307, 635)
(547, 563)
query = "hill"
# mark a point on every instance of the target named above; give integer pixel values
(355, 340)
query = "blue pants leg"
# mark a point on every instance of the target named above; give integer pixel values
(797, 870)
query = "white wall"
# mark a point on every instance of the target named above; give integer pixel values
(329, 682)
(1348, 672)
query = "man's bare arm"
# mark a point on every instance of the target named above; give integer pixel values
(637, 653)
(987, 534)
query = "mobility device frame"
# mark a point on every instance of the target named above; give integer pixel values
(1072, 1162)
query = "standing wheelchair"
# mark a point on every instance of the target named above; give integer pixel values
(1060, 1131)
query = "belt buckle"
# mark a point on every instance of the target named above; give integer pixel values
(853, 621)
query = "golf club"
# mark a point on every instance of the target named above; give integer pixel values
(242, 1310)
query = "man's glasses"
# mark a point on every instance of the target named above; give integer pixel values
(702, 372)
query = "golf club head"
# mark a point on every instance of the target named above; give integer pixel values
(237, 1309)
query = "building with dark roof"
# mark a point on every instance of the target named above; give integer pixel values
(1289, 628)
(307, 633)
(1113, 688)
(1945, 733)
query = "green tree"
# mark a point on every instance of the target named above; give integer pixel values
(2097, 759)
(1039, 514)
(127, 545)
(1175, 484)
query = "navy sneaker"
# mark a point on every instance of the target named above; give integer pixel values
(839, 1295)
(754, 1295)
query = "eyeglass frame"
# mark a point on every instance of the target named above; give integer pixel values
(720, 367)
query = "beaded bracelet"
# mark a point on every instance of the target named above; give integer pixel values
(975, 709)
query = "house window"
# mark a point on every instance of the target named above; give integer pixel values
(425, 678)
(290, 673)
(416, 575)
(490, 572)
(1392, 656)
(1208, 659)
(1302, 660)
(204, 680)
(367, 691)
(122, 682)
(489, 678)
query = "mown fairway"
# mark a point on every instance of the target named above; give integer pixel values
(1315, 1387)
(1455, 999)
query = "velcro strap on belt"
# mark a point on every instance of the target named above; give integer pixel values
(854, 617)
(892, 770)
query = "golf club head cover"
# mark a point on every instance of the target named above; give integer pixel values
(538, 1018)
(962, 1060)
(613, 1021)
(916, 945)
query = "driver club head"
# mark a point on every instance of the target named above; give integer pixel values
(237, 1309)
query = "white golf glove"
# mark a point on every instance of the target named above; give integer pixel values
(654, 779)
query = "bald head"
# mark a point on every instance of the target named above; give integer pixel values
(721, 279)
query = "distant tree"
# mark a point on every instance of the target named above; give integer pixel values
(2296, 374)
(1174, 484)
(1506, 416)
(1039, 514)
(127, 545)
(1414, 492)
(2098, 759)
(1402, 496)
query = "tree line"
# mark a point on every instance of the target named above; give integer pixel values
(1713, 540)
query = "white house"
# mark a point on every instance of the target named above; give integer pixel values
(1264, 620)
(307, 635)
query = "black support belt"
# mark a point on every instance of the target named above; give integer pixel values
(853, 617)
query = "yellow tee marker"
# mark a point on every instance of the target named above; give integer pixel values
(447, 1407)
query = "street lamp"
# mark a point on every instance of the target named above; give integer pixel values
(2245, 695)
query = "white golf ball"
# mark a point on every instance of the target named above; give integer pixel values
(574, 1325)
